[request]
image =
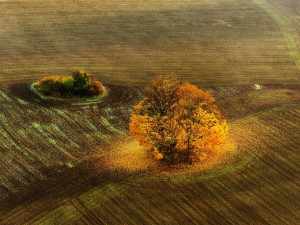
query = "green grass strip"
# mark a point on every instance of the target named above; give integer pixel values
(89, 99)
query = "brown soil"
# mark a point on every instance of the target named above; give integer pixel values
(60, 183)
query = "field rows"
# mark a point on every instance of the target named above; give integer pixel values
(53, 155)
(207, 42)
(262, 191)
(289, 25)
(37, 140)
(44, 137)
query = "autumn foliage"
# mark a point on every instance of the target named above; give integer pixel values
(78, 84)
(177, 121)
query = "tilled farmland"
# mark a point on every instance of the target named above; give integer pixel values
(54, 169)
(41, 137)
(73, 162)
(208, 42)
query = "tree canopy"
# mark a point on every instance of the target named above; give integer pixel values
(177, 121)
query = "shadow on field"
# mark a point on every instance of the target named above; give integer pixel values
(24, 92)
(63, 185)
(115, 96)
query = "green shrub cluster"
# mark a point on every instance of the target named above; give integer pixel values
(78, 84)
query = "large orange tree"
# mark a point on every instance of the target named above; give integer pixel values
(177, 121)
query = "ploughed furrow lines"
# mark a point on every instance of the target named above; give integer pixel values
(277, 156)
(107, 216)
(137, 204)
(260, 187)
(86, 215)
(65, 214)
(266, 203)
(279, 159)
(181, 209)
(278, 182)
(216, 42)
(115, 208)
(203, 200)
(254, 197)
(247, 194)
(283, 171)
(29, 213)
(150, 207)
(81, 221)
(170, 211)
(188, 201)
(284, 121)
(235, 213)
(287, 146)
(132, 209)
(38, 138)
(289, 122)
(238, 203)
(278, 139)
(284, 192)
(191, 191)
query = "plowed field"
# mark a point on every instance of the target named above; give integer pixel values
(57, 163)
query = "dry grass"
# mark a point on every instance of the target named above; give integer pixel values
(131, 157)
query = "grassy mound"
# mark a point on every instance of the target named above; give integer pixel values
(78, 84)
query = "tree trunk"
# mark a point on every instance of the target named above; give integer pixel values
(172, 148)
(172, 157)
(188, 152)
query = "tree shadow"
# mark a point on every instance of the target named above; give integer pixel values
(114, 96)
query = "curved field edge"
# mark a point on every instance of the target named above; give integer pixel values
(263, 191)
(79, 99)
(287, 24)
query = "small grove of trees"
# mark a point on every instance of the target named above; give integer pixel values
(177, 121)
(79, 83)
